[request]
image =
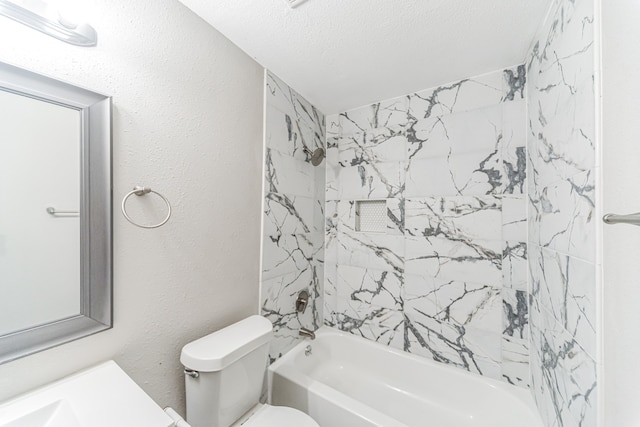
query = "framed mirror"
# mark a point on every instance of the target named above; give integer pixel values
(55, 212)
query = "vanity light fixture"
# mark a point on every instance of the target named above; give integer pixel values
(47, 18)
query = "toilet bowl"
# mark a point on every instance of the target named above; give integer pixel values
(275, 416)
(224, 374)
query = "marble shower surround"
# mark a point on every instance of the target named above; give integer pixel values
(562, 220)
(293, 221)
(448, 279)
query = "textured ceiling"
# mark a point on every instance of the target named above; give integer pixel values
(348, 53)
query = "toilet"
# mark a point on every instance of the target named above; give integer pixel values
(224, 374)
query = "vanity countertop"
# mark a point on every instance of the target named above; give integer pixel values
(103, 396)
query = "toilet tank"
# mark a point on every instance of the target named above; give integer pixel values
(230, 366)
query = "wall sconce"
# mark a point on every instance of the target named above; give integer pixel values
(48, 19)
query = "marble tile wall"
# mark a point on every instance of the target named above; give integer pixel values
(488, 261)
(447, 280)
(293, 231)
(562, 222)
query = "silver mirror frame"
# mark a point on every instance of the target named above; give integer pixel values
(96, 275)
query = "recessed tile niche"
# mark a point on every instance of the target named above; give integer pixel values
(371, 216)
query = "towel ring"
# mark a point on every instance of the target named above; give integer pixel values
(141, 191)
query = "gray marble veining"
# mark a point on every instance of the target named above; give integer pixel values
(293, 246)
(450, 162)
(561, 219)
(487, 260)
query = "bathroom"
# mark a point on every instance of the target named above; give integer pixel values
(192, 119)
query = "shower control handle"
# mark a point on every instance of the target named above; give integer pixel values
(302, 301)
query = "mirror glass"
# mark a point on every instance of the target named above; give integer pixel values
(55, 212)
(39, 249)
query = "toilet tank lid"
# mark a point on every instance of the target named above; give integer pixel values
(218, 350)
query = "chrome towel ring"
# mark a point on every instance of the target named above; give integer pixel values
(141, 191)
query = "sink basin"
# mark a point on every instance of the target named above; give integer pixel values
(57, 414)
(103, 396)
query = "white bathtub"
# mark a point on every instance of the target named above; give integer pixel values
(348, 381)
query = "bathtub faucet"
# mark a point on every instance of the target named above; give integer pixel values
(304, 332)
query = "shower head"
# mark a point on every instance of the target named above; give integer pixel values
(316, 156)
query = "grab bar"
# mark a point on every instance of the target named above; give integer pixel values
(633, 219)
(54, 212)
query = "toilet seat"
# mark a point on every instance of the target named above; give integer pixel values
(279, 416)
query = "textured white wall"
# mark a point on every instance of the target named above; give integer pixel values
(621, 156)
(187, 121)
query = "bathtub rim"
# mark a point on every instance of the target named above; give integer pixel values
(285, 366)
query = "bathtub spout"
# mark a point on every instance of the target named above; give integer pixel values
(304, 332)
